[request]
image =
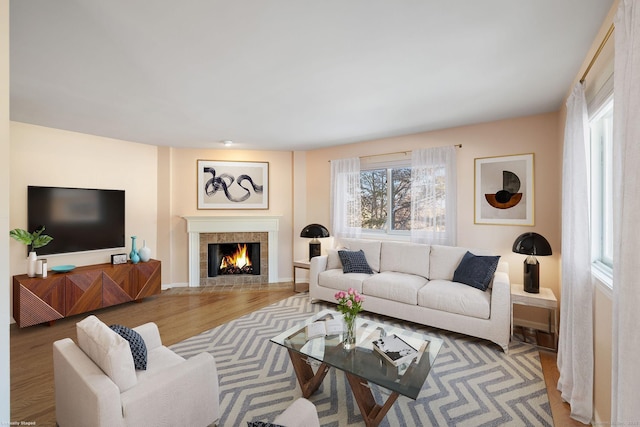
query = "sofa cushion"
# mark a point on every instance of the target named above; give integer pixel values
(410, 258)
(333, 259)
(136, 343)
(455, 298)
(394, 286)
(371, 249)
(108, 350)
(476, 270)
(336, 279)
(444, 260)
(354, 262)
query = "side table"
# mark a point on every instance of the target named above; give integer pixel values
(304, 264)
(545, 299)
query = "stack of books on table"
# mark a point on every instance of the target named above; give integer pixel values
(395, 350)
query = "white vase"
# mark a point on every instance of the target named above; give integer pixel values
(32, 259)
(144, 252)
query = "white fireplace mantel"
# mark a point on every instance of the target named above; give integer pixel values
(231, 224)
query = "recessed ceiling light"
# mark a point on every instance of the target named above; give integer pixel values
(227, 143)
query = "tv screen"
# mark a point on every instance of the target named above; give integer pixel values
(78, 219)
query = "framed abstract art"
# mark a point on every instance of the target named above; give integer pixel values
(232, 185)
(504, 190)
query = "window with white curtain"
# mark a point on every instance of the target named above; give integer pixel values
(386, 197)
(601, 140)
(396, 198)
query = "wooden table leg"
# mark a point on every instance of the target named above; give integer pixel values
(309, 382)
(372, 413)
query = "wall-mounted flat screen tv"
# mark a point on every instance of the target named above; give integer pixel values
(78, 219)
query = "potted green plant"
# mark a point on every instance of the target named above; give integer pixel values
(33, 241)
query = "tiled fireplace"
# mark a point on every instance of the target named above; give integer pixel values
(247, 251)
(257, 232)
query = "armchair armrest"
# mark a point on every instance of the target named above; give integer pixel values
(301, 413)
(190, 388)
(150, 334)
(84, 395)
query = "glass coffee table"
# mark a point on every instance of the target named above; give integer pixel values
(361, 365)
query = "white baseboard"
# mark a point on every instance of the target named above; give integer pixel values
(174, 285)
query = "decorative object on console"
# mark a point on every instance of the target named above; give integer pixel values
(144, 252)
(531, 244)
(314, 231)
(349, 304)
(232, 185)
(133, 255)
(118, 259)
(63, 268)
(504, 190)
(33, 241)
(41, 268)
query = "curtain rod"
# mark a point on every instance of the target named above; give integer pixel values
(398, 152)
(595, 55)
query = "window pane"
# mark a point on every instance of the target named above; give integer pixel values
(401, 198)
(607, 188)
(601, 126)
(374, 198)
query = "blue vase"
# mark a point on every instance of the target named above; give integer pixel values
(133, 255)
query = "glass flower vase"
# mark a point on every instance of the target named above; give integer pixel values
(349, 341)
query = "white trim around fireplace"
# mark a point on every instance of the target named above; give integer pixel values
(230, 224)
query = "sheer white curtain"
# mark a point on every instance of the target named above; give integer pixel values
(346, 219)
(433, 196)
(575, 347)
(625, 408)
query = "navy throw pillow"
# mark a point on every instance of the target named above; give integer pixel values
(476, 271)
(354, 262)
(136, 343)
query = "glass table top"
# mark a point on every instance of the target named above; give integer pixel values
(363, 361)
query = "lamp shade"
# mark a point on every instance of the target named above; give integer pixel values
(531, 244)
(314, 231)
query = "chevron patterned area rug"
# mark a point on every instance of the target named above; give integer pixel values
(472, 383)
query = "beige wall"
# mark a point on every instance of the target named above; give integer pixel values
(182, 187)
(5, 283)
(536, 134)
(52, 157)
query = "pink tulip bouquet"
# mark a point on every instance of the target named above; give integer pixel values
(349, 302)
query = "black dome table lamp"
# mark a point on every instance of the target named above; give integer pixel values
(314, 231)
(531, 244)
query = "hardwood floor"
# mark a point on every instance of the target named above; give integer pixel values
(179, 314)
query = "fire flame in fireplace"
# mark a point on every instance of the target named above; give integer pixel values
(239, 260)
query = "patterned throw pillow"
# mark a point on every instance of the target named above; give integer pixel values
(354, 262)
(476, 271)
(138, 347)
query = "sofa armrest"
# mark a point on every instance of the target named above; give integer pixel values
(84, 395)
(190, 388)
(318, 264)
(150, 334)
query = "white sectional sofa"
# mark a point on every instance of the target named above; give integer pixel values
(414, 282)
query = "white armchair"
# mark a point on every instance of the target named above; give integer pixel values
(96, 383)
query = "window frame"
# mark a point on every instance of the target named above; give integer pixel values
(601, 188)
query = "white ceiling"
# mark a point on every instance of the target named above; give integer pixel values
(291, 74)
